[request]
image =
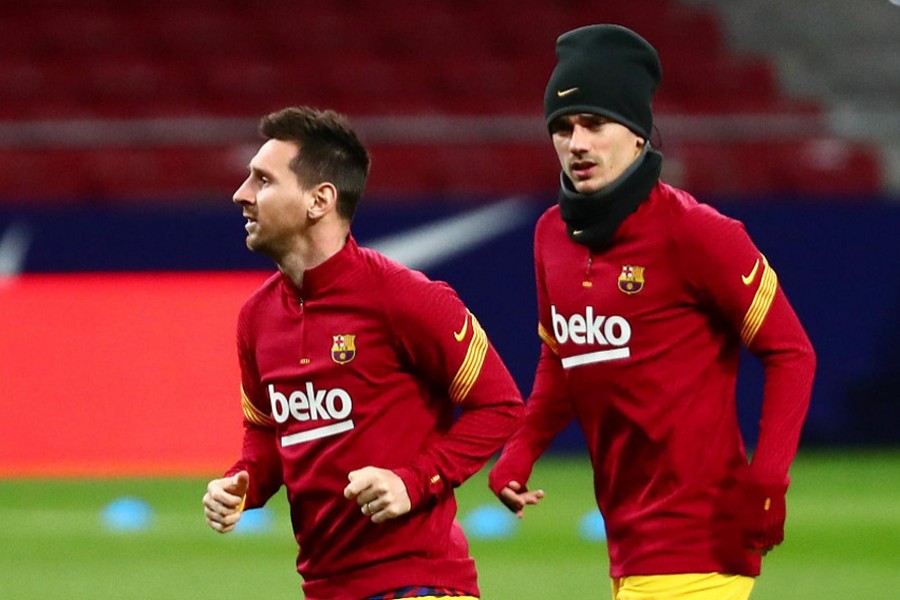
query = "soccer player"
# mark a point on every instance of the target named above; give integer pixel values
(645, 297)
(368, 391)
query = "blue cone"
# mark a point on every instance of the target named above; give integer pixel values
(127, 514)
(489, 522)
(592, 528)
(256, 520)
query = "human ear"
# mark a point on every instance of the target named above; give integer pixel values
(323, 200)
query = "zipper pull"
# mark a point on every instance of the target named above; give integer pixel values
(587, 273)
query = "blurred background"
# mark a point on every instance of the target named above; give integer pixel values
(126, 126)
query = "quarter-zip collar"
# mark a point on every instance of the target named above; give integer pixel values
(326, 276)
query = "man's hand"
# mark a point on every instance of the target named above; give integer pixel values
(223, 502)
(516, 499)
(380, 493)
(763, 510)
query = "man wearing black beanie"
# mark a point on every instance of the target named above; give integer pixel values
(645, 298)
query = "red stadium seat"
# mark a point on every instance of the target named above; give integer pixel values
(110, 59)
(824, 167)
(463, 169)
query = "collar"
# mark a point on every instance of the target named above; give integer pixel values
(326, 276)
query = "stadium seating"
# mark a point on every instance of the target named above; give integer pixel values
(843, 54)
(103, 60)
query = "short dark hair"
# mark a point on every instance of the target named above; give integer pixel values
(329, 151)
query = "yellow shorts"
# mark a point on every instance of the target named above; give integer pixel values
(687, 586)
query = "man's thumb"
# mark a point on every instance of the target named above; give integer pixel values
(239, 483)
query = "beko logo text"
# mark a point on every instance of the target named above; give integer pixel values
(331, 406)
(583, 329)
(310, 406)
(588, 329)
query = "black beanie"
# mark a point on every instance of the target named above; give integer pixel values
(606, 70)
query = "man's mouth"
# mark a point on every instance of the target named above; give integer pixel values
(581, 169)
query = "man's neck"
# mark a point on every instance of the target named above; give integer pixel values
(311, 251)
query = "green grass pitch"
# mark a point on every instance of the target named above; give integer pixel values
(843, 539)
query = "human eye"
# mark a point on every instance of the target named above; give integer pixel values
(595, 123)
(260, 177)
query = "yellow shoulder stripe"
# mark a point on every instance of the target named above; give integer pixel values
(762, 302)
(253, 414)
(471, 366)
(548, 338)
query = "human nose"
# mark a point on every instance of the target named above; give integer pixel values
(242, 195)
(579, 141)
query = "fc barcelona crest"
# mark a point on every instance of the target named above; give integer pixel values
(631, 281)
(343, 350)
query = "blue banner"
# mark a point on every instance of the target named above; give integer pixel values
(839, 264)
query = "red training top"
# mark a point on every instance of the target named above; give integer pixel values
(641, 344)
(366, 366)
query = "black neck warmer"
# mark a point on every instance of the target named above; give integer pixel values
(592, 219)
